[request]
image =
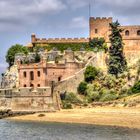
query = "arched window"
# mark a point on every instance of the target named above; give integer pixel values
(38, 85)
(138, 32)
(31, 75)
(24, 73)
(25, 85)
(127, 33)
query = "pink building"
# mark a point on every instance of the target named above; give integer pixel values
(43, 73)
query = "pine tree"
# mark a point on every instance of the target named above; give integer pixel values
(117, 62)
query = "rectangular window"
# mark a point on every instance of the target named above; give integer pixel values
(31, 75)
(38, 73)
(24, 73)
(96, 31)
(45, 71)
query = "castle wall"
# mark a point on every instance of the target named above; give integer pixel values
(25, 99)
(71, 83)
(42, 41)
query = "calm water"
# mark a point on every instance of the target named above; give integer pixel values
(10, 130)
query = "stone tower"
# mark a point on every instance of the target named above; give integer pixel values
(99, 27)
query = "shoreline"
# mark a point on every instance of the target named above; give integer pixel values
(104, 116)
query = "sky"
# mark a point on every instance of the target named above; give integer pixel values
(57, 18)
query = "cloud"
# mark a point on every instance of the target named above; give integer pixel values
(74, 4)
(79, 22)
(128, 8)
(15, 12)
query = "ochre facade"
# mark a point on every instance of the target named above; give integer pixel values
(99, 27)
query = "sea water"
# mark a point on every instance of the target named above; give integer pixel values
(15, 130)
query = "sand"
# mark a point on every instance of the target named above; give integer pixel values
(110, 116)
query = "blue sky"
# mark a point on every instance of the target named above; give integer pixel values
(57, 18)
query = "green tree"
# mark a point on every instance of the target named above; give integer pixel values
(117, 62)
(136, 87)
(98, 44)
(37, 58)
(82, 88)
(10, 56)
(90, 73)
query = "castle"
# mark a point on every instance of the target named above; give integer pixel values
(99, 27)
(53, 67)
(39, 83)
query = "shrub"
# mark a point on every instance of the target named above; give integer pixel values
(108, 97)
(113, 91)
(92, 96)
(64, 46)
(136, 87)
(82, 88)
(110, 81)
(90, 73)
(37, 58)
(66, 105)
(72, 98)
(104, 91)
(98, 44)
(124, 90)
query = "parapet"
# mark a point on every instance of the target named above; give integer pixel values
(59, 40)
(101, 18)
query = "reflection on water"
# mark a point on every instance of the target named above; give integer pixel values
(11, 130)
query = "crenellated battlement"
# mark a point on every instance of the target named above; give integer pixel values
(101, 18)
(58, 40)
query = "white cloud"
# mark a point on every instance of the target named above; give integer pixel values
(79, 22)
(25, 11)
(74, 4)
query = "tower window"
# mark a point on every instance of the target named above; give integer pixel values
(31, 75)
(24, 73)
(138, 32)
(38, 73)
(96, 31)
(127, 33)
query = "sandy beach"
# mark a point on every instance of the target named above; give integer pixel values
(111, 116)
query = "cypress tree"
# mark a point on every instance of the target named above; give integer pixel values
(117, 62)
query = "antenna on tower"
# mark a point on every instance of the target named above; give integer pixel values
(89, 9)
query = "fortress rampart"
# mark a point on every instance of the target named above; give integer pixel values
(35, 40)
(28, 99)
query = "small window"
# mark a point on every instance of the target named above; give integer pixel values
(31, 85)
(96, 31)
(59, 78)
(138, 32)
(127, 33)
(38, 85)
(31, 75)
(25, 85)
(24, 73)
(38, 73)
